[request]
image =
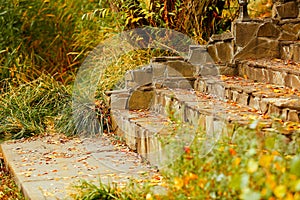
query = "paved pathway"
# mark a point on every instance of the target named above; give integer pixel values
(46, 167)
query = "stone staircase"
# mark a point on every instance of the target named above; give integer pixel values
(228, 83)
(209, 101)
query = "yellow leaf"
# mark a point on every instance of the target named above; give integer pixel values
(265, 160)
(276, 90)
(252, 166)
(149, 196)
(237, 161)
(178, 183)
(280, 191)
(223, 77)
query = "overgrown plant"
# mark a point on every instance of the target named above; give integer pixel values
(26, 109)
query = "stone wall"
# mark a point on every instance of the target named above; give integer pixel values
(276, 37)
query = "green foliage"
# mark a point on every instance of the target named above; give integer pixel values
(8, 188)
(44, 35)
(245, 167)
(26, 109)
(84, 190)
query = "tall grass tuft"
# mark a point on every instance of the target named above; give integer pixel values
(25, 110)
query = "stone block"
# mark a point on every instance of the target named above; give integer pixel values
(218, 90)
(211, 49)
(128, 76)
(199, 56)
(131, 137)
(258, 74)
(225, 51)
(175, 82)
(285, 10)
(259, 48)
(228, 94)
(140, 100)
(266, 76)
(244, 32)
(293, 116)
(119, 100)
(235, 96)
(180, 69)
(254, 102)
(159, 69)
(290, 28)
(279, 77)
(221, 37)
(274, 110)
(263, 105)
(286, 36)
(209, 70)
(141, 142)
(142, 77)
(295, 50)
(228, 69)
(201, 85)
(268, 29)
(293, 81)
(243, 98)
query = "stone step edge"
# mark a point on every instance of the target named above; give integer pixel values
(287, 107)
(270, 72)
(187, 103)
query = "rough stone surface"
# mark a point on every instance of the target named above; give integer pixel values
(259, 48)
(140, 100)
(221, 37)
(244, 32)
(180, 69)
(285, 10)
(268, 30)
(199, 56)
(211, 49)
(225, 51)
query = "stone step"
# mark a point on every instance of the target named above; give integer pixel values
(146, 130)
(269, 99)
(274, 71)
(142, 131)
(192, 106)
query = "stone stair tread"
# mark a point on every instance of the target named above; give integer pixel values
(258, 88)
(272, 71)
(209, 105)
(151, 121)
(265, 97)
(275, 64)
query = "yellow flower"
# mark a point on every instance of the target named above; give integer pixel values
(178, 183)
(149, 196)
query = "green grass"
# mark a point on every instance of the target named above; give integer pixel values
(26, 109)
(8, 188)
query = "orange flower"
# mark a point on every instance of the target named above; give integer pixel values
(232, 152)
